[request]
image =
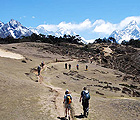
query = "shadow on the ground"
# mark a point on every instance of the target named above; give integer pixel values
(61, 118)
(79, 116)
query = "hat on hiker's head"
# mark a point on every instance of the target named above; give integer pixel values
(67, 91)
(85, 88)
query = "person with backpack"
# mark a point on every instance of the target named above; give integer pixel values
(38, 70)
(67, 101)
(65, 65)
(86, 67)
(42, 64)
(69, 66)
(85, 96)
(77, 66)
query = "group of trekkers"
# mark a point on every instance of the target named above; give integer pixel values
(77, 66)
(85, 96)
(67, 65)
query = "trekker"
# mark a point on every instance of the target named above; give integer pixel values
(38, 69)
(77, 66)
(67, 101)
(85, 96)
(65, 65)
(69, 66)
(91, 61)
(86, 67)
(42, 64)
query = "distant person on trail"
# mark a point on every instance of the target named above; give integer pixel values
(42, 64)
(38, 70)
(65, 65)
(77, 66)
(67, 102)
(91, 61)
(85, 96)
(86, 67)
(69, 66)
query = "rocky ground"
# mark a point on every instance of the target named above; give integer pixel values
(114, 89)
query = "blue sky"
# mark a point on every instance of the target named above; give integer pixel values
(97, 18)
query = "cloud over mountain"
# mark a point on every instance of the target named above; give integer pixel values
(131, 31)
(88, 29)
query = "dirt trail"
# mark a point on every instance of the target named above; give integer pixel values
(76, 105)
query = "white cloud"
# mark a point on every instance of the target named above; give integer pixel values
(22, 17)
(33, 17)
(68, 26)
(48, 27)
(107, 28)
(127, 20)
(72, 26)
(104, 27)
(92, 30)
(98, 22)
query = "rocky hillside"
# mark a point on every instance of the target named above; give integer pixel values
(123, 58)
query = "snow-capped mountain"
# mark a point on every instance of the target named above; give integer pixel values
(41, 30)
(63, 31)
(1, 24)
(13, 28)
(16, 30)
(131, 31)
(57, 31)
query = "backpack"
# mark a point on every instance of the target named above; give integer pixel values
(39, 68)
(68, 99)
(86, 95)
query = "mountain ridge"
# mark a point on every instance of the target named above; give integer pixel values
(13, 28)
(17, 30)
(131, 31)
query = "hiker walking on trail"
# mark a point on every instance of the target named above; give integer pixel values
(67, 102)
(42, 64)
(77, 66)
(38, 70)
(86, 67)
(69, 66)
(65, 65)
(85, 96)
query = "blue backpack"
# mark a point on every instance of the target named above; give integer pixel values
(86, 95)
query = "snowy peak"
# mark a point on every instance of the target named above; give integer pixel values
(131, 26)
(63, 31)
(13, 28)
(13, 23)
(55, 31)
(1, 24)
(131, 31)
(133, 22)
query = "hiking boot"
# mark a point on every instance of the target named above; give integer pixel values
(68, 117)
(84, 113)
(87, 113)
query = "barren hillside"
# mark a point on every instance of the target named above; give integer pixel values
(112, 79)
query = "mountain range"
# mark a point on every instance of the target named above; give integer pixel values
(131, 31)
(13, 28)
(59, 31)
(17, 30)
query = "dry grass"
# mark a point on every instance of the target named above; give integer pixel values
(21, 98)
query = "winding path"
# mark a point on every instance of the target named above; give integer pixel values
(76, 106)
